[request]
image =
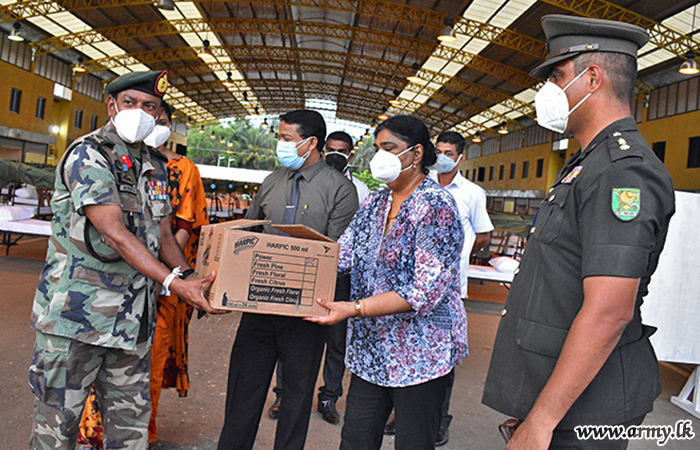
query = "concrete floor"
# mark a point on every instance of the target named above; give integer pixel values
(194, 422)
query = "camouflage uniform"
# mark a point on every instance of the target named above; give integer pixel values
(95, 319)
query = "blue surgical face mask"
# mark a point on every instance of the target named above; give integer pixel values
(288, 156)
(444, 164)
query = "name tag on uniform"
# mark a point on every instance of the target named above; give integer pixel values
(128, 188)
(157, 190)
(572, 175)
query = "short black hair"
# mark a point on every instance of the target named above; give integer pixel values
(168, 110)
(412, 130)
(454, 138)
(621, 68)
(341, 136)
(309, 123)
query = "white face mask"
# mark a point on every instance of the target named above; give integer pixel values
(444, 164)
(158, 136)
(552, 105)
(133, 125)
(386, 166)
(288, 156)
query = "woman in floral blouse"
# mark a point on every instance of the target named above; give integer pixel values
(408, 326)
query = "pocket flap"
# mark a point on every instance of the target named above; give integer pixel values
(541, 339)
(93, 277)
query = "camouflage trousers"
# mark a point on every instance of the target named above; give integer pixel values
(60, 376)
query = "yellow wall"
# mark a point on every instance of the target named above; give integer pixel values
(674, 130)
(32, 86)
(56, 112)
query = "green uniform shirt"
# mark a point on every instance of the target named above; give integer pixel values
(78, 296)
(606, 215)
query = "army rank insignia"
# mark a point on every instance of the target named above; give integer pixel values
(623, 144)
(157, 190)
(626, 203)
(572, 175)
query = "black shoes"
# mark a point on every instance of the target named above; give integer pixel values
(274, 411)
(442, 437)
(328, 411)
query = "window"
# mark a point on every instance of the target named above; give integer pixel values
(40, 107)
(659, 149)
(93, 123)
(512, 170)
(491, 173)
(474, 174)
(78, 118)
(482, 173)
(15, 99)
(694, 153)
(526, 168)
(501, 172)
(540, 167)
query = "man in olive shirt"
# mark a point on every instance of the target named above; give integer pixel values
(309, 192)
(571, 349)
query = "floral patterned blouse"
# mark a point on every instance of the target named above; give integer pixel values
(418, 258)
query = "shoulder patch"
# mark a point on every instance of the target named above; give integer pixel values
(626, 203)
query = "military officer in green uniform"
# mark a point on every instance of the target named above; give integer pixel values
(111, 245)
(571, 348)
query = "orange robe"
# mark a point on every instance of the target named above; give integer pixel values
(169, 350)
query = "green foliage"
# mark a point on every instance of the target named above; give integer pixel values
(251, 147)
(366, 177)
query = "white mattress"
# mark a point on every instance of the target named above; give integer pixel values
(29, 226)
(489, 273)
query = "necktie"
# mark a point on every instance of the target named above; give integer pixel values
(291, 211)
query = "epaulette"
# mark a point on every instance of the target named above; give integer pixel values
(622, 145)
(157, 154)
(99, 141)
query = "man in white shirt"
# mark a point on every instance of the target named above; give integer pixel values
(471, 204)
(339, 155)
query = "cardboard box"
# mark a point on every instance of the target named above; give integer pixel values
(266, 273)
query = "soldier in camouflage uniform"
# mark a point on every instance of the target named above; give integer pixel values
(94, 309)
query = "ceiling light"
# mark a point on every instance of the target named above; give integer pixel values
(503, 130)
(689, 66)
(395, 101)
(206, 50)
(222, 140)
(15, 34)
(383, 116)
(165, 4)
(360, 141)
(201, 130)
(265, 124)
(229, 81)
(245, 98)
(414, 78)
(366, 135)
(477, 139)
(448, 33)
(189, 122)
(356, 147)
(212, 136)
(230, 144)
(257, 111)
(79, 67)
